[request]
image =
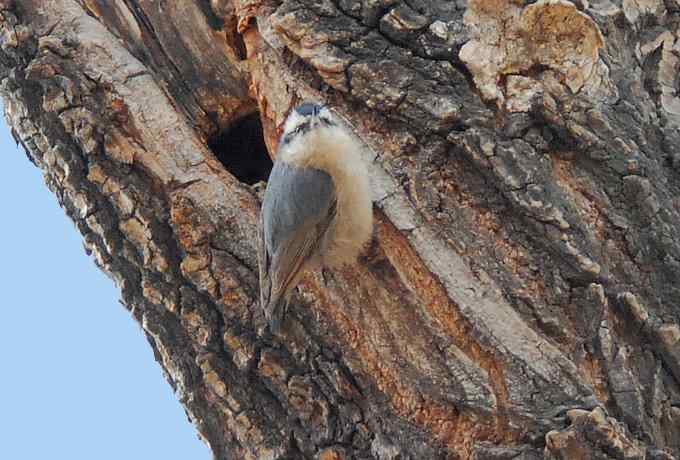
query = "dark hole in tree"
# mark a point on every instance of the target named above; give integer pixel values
(241, 149)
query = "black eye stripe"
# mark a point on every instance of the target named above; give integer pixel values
(299, 130)
(302, 128)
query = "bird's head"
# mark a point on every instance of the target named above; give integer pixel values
(308, 119)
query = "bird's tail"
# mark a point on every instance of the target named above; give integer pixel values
(274, 305)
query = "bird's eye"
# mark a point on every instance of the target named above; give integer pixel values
(301, 128)
(327, 121)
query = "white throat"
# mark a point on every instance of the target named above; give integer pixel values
(334, 150)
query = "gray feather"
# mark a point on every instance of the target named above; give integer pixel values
(298, 207)
(294, 195)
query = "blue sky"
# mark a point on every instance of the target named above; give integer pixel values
(78, 378)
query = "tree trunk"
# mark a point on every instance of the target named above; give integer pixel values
(520, 298)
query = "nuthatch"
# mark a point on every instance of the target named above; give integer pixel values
(317, 209)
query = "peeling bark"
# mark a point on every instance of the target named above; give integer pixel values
(520, 296)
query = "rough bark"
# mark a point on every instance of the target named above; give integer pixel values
(520, 298)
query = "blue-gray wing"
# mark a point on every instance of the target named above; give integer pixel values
(299, 205)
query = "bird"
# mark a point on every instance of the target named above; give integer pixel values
(317, 210)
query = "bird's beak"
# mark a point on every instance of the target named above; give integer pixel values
(315, 121)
